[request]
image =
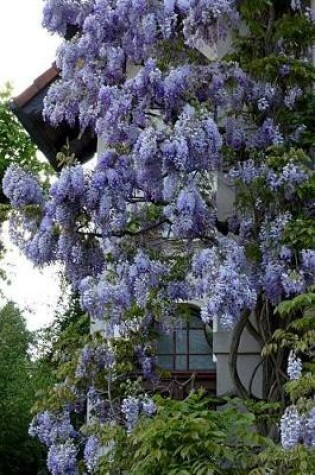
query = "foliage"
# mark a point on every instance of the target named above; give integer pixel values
(79, 364)
(55, 348)
(185, 437)
(143, 230)
(296, 455)
(15, 144)
(18, 378)
(277, 461)
(18, 453)
(300, 333)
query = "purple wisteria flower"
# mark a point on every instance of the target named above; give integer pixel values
(291, 428)
(21, 187)
(189, 215)
(290, 176)
(308, 261)
(59, 14)
(294, 366)
(92, 452)
(292, 96)
(147, 362)
(70, 186)
(235, 133)
(309, 429)
(272, 281)
(139, 231)
(149, 407)
(133, 407)
(222, 15)
(292, 282)
(62, 459)
(225, 284)
(131, 410)
(51, 429)
(296, 5)
(269, 134)
(41, 249)
(93, 360)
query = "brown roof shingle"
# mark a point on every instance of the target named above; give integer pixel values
(38, 85)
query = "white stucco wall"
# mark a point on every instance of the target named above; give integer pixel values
(249, 351)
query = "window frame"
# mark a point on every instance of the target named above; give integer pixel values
(192, 312)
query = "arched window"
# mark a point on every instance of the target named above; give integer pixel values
(188, 347)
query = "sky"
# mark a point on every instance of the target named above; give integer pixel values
(26, 51)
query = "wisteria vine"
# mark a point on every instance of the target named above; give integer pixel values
(142, 230)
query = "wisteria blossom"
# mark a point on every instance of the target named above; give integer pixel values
(51, 429)
(133, 407)
(294, 366)
(297, 427)
(21, 188)
(291, 428)
(62, 459)
(92, 452)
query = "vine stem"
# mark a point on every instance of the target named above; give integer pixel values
(233, 356)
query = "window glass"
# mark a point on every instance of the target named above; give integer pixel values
(201, 362)
(198, 342)
(188, 347)
(181, 363)
(181, 341)
(195, 321)
(165, 362)
(166, 344)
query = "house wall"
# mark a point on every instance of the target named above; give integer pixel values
(249, 351)
(249, 365)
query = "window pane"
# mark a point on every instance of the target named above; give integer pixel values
(181, 341)
(181, 362)
(204, 362)
(166, 344)
(198, 342)
(165, 362)
(188, 337)
(195, 321)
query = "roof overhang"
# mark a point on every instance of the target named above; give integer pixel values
(28, 108)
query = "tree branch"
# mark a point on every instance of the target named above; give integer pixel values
(144, 230)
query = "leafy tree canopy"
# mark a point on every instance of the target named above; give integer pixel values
(18, 453)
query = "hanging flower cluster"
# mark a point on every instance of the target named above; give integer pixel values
(92, 452)
(132, 407)
(297, 428)
(58, 434)
(224, 283)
